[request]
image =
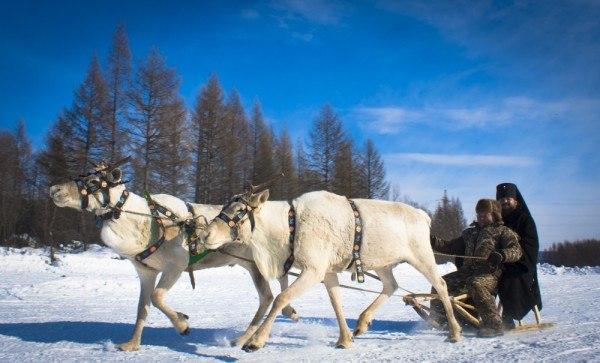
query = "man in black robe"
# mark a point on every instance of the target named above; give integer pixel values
(518, 288)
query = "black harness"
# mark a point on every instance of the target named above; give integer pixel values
(236, 221)
(86, 189)
(358, 230)
(292, 227)
(189, 225)
(115, 212)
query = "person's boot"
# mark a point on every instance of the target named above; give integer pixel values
(508, 323)
(487, 332)
(491, 328)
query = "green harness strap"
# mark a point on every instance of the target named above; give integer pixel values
(198, 257)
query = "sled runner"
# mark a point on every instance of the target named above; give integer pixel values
(467, 312)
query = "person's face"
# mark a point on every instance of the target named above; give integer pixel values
(485, 218)
(508, 204)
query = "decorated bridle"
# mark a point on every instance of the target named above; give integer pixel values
(235, 223)
(85, 188)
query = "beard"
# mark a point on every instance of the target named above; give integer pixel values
(507, 209)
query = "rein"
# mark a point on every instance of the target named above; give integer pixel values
(460, 256)
(220, 250)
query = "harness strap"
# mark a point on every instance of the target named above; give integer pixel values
(190, 228)
(115, 212)
(235, 221)
(155, 209)
(292, 227)
(358, 229)
(83, 192)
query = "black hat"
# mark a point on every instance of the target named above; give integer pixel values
(510, 190)
(506, 190)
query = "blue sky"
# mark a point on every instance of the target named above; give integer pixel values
(456, 95)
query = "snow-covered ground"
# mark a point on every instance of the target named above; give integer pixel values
(78, 310)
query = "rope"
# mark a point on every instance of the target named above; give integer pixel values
(341, 285)
(150, 215)
(460, 256)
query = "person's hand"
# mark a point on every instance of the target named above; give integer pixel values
(433, 240)
(495, 259)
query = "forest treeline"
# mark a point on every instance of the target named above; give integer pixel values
(204, 154)
(576, 253)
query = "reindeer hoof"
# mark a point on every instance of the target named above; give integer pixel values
(128, 347)
(361, 328)
(186, 331)
(291, 313)
(250, 347)
(343, 345)
(454, 339)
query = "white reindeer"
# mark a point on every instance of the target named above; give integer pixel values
(392, 233)
(132, 233)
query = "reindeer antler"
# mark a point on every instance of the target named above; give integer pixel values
(265, 185)
(119, 163)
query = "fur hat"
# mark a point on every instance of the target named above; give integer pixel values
(491, 206)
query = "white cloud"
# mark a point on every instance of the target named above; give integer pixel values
(386, 120)
(391, 119)
(472, 117)
(462, 159)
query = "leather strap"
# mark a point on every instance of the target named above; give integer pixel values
(292, 227)
(358, 232)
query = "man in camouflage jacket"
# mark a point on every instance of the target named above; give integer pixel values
(489, 239)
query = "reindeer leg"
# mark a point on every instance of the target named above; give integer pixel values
(287, 310)
(306, 279)
(389, 287)
(427, 266)
(333, 289)
(167, 280)
(265, 298)
(147, 280)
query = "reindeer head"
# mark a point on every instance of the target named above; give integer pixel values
(90, 191)
(235, 222)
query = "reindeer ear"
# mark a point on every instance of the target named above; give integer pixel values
(258, 198)
(115, 175)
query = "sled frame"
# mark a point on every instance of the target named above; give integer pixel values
(467, 312)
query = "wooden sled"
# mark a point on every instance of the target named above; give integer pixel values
(467, 312)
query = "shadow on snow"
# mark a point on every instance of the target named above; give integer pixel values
(100, 332)
(91, 332)
(377, 326)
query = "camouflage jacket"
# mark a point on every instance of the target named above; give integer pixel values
(481, 242)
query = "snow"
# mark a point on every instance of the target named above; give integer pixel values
(80, 308)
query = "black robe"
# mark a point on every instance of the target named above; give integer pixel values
(518, 289)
